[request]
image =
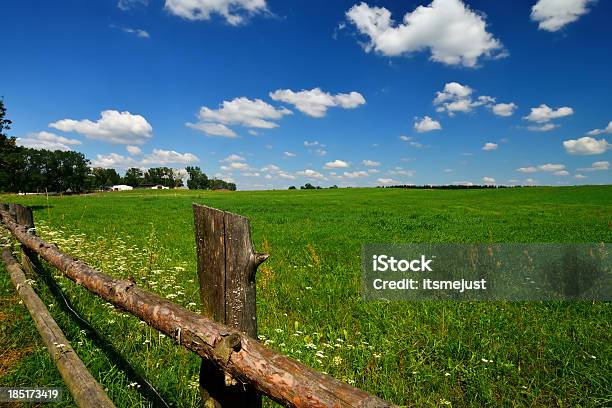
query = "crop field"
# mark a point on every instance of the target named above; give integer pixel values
(308, 294)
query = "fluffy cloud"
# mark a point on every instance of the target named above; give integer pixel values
(232, 158)
(504, 109)
(355, 174)
(387, 181)
(370, 163)
(548, 167)
(586, 145)
(289, 154)
(233, 11)
(315, 102)
(544, 113)
(607, 129)
(161, 157)
(546, 127)
(311, 174)
(158, 157)
(453, 33)
(597, 166)
(488, 180)
(552, 15)
(456, 97)
(113, 126)
(48, 141)
(245, 112)
(336, 164)
(426, 124)
(489, 146)
(213, 129)
(133, 150)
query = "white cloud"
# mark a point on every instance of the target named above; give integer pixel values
(164, 157)
(580, 176)
(315, 102)
(373, 171)
(137, 32)
(233, 11)
(451, 31)
(488, 180)
(355, 174)
(586, 145)
(47, 141)
(555, 168)
(289, 154)
(531, 181)
(370, 163)
(320, 152)
(133, 150)
(114, 160)
(547, 127)
(504, 109)
(129, 4)
(544, 113)
(157, 157)
(311, 174)
(426, 124)
(213, 129)
(239, 111)
(552, 15)
(410, 140)
(235, 166)
(387, 181)
(607, 130)
(551, 167)
(489, 146)
(113, 126)
(597, 166)
(251, 174)
(456, 97)
(336, 164)
(271, 168)
(232, 158)
(398, 171)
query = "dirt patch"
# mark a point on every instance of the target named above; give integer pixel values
(10, 357)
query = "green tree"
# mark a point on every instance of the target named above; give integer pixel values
(10, 155)
(197, 179)
(133, 177)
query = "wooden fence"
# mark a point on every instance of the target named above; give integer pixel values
(236, 369)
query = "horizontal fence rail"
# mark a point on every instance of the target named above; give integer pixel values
(281, 378)
(85, 390)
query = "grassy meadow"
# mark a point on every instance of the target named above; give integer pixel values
(308, 299)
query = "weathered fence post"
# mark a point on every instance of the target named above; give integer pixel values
(25, 217)
(227, 265)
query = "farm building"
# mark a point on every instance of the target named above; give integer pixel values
(121, 187)
(159, 187)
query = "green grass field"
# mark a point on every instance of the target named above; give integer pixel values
(309, 304)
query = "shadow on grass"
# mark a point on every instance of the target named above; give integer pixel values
(145, 389)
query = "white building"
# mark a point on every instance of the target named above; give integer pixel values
(121, 187)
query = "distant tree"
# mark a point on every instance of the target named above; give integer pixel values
(104, 177)
(160, 175)
(308, 186)
(197, 179)
(10, 155)
(292, 188)
(133, 177)
(334, 186)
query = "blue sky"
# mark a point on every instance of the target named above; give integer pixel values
(273, 93)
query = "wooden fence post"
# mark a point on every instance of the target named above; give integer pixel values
(25, 217)
(227, 265)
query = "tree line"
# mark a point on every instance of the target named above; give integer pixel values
(25, 169)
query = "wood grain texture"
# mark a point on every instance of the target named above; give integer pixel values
(226, 271)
